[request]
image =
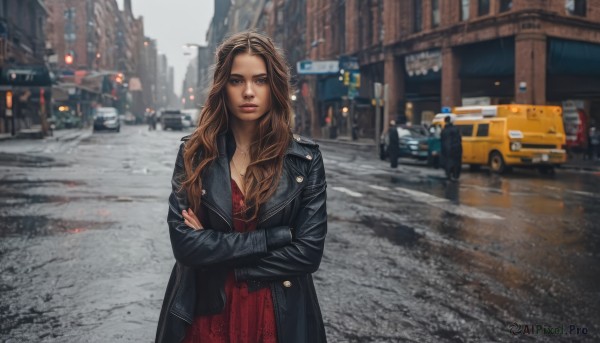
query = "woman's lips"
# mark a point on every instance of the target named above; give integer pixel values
(248, 108)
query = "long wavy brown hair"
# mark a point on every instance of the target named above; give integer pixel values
(272, 138)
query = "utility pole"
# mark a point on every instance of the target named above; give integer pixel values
(377, 90)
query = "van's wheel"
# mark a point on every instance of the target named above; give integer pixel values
(497, 164)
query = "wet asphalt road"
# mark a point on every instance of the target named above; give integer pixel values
(85, 253)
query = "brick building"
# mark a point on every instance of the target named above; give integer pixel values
(439, 53)
(24, 79)
(103, 50)
(84, 33)
(286, 24)
(435, 53)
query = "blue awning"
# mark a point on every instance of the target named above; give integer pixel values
(331, 88)
(569, 57)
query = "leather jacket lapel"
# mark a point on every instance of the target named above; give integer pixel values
(216, 184)
(217, 181)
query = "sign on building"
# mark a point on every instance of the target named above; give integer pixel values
(423, 63)
(317, 67)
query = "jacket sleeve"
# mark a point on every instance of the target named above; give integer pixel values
(303, 256)
(206, 247)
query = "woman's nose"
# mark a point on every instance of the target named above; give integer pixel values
(248, 91)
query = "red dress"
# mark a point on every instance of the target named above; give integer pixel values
(247, 317)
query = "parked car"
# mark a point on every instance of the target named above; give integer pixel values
(64, 119)
(107, 118)
(413, 142)
(175, 120)
(192, 115)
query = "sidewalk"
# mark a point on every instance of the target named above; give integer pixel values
(368, 145)
(33, 134)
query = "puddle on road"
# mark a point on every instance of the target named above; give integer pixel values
(27, 183)
(397, 233)
(31, 226)
(20, 160)
(17, 199)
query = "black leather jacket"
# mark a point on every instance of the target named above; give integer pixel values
(267, 257)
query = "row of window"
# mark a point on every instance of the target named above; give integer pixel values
(572, 7)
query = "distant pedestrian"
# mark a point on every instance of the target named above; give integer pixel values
(393, 144)
(451, 149)
(151, 117)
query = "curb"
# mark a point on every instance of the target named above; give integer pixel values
(363, 146)
(580, 168)
(370, 147)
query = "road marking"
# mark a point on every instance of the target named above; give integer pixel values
(447, 206)
(584, 193)
(347, 191)
(379, 188)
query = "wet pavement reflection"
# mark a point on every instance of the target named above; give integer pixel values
(409, 257)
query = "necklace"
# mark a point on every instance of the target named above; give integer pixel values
(236, 168)
(243, 151)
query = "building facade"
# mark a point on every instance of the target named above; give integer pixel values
(448, 53)
(286, 24)
(434, 53)
(25, 82)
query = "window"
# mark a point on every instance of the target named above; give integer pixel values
(576, 7)
(465, 130)
(464, 9)
(484, 7)
(435, 13)
(505, 5)
(418, 16)
(483, 130)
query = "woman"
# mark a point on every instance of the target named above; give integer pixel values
(247, 214)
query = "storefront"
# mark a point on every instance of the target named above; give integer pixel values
(423, 78)
(574, 75)
(25, 97)
(487, 69)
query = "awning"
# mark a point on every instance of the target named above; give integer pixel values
(26, 76)
(331, 89)
(491, 58)
(569, 57)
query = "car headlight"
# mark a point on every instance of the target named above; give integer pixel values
(515, 146)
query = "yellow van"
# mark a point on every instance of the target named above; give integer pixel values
(503, 136)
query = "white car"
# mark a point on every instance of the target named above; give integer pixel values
(107, 118)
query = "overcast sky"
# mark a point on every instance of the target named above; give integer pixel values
(174, 23)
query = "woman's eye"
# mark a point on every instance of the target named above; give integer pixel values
(235, 81)
(261, 81)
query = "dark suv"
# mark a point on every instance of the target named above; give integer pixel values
(174, 120)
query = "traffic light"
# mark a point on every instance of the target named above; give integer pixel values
(69, 58)
(346, 78)
(356, 80)
(9, 100)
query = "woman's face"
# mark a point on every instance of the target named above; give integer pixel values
(248, 91)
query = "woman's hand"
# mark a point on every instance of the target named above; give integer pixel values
(191, 220)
